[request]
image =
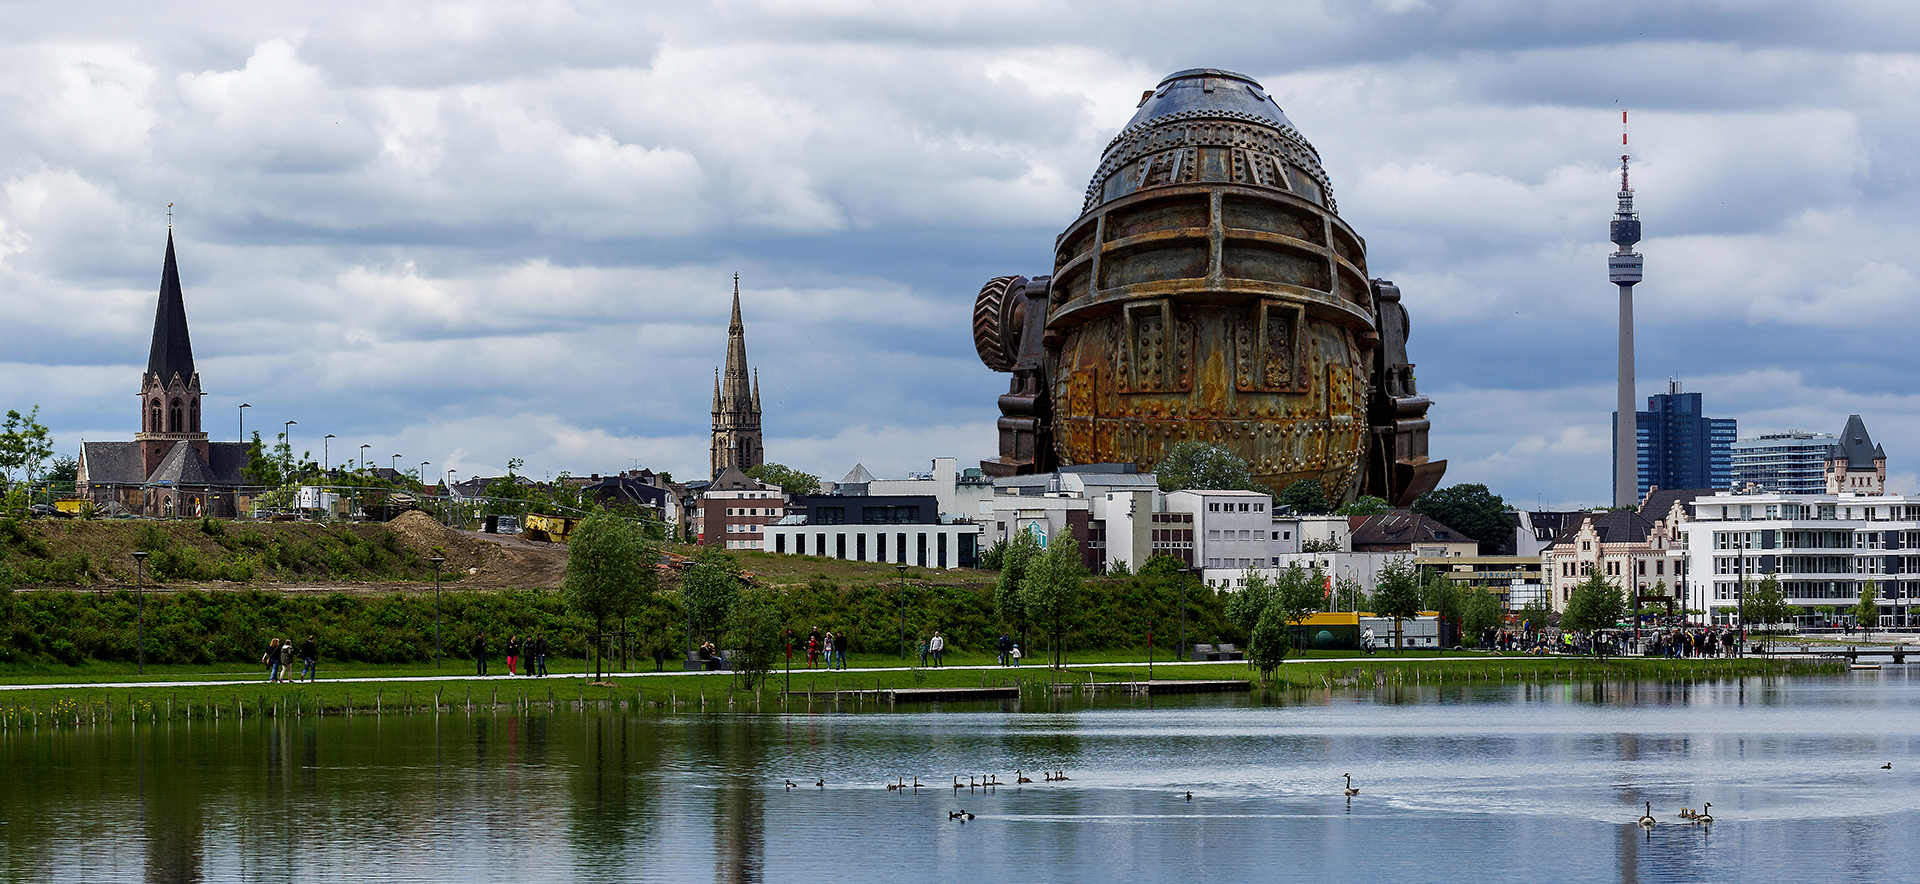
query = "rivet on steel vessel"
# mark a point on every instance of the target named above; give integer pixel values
(1210, 291)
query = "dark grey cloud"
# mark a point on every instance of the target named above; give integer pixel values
(470, 231)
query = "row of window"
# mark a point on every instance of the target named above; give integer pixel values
(901, 552)
(1577, 569)
(1825, 512)
(1228, 507)
(752, 511)
(743, 529)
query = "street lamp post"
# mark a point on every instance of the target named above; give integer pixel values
(1180, 652)
(393, 464)
(1149, 651)
(243, 420)
(326, 457)
(903, 611)
(423, 473)
(286, 435)
(363, 454)
(436, 560)
(140, 584)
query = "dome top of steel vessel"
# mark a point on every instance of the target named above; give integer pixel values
(1208, 97)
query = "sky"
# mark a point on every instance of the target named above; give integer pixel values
(466, 232)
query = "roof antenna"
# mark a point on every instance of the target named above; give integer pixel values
(1623, 152)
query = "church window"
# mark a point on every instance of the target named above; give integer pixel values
(153, 418)
(173, 417)
(193, 414)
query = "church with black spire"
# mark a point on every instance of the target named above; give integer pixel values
(736, 403)
(170, 468)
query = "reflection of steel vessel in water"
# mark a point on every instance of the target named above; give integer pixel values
(1209, 291)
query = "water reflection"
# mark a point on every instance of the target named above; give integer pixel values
(1514, 782)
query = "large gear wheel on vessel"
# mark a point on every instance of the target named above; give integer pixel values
(996, 321)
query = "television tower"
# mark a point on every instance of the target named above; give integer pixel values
(1623, 268)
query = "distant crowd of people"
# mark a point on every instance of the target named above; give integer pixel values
(281, 654)
(534, 649)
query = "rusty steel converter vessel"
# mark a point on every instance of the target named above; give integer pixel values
(1209, 291)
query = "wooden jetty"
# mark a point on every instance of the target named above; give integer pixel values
(912, 695)
(1161, 686)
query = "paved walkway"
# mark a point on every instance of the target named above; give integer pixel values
(1463, 657)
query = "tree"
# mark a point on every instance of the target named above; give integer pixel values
(609, 566)
(1248, 605)
(1320, 544)
(1595, 604)
(63, 469)
(790, 480)
(1867, 610)
(1051, 591)
(1365, 505)
(1441, 596)
(1196, 465)
(1766, 604)
(1537, 614)
(753, 631)
(1297, 594)
(1480, 611)
(1396, 594)
(1348, 595)
(1267, 649)
(710, 584)
(1306, 497)
(24, 443)
(1472, 510)
(260, 469)
(1016, 556)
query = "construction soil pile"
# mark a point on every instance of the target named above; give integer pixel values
(483, 560)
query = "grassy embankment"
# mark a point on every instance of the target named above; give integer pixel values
(87, 553)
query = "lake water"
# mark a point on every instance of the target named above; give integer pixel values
(1482, 783)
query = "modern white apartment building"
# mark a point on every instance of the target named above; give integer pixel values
(1821, 547)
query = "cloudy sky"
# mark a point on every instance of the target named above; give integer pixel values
(464, 232)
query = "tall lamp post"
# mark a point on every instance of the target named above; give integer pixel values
(903, 611)
(286, 435)
(140, 584)
(363, 454)
(436, 560)
(423, 473)
(326, 457)
(393, 464)
(243, 421)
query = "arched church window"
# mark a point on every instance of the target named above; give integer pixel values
(153, 417)
(173, 417)
(193, 414)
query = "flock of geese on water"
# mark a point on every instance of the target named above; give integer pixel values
(1701, 817)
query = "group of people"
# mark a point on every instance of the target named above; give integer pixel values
(534, 648)
(280, 655)
(831, 647)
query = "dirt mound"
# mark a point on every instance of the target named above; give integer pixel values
(428, 538)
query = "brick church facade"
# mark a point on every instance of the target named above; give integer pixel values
(170, 469)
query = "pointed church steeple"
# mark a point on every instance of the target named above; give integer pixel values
(736, 402)
(172, 351)
(170, 387)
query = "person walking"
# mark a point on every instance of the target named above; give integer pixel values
(1015, 654)
(539, 654)
(309, 653)
(1003, 646)
(272, 659)
(936, 646)
(480, 652)
(513, 653)
(286, 659)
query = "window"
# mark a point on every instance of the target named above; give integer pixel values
(889, 515)
(1243, 507)
(1259, 507)
(1246, 535)
(1213, 534)
(1213, 507)
(830, 515)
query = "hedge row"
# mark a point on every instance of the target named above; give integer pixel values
(57, 626)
